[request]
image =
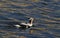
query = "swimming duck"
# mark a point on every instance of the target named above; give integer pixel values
(27, 25)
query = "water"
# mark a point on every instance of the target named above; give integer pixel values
(46, 16)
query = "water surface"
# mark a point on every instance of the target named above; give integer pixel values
(45, 12)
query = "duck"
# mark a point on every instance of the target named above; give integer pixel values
(25, 25)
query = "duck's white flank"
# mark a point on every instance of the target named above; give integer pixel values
(17, 26)
(30, 23)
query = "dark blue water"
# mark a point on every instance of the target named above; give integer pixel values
(46, 14)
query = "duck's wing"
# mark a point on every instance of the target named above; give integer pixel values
(25, 24)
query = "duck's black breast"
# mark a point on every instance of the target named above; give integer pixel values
(24, 26)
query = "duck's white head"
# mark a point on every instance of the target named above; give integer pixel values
(31, 20)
